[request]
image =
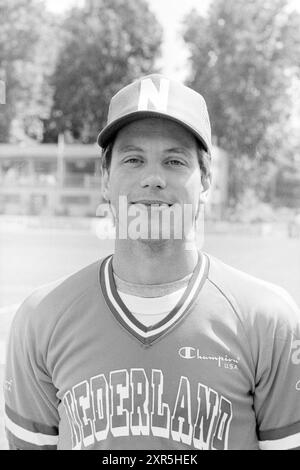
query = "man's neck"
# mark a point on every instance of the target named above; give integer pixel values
(153, 263)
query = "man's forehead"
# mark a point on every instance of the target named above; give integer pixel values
(155, 128)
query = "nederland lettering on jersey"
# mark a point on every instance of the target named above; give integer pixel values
(96, 410)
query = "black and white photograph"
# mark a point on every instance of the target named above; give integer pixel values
(149, 227)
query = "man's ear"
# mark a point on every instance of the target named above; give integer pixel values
(105, 186)
(206, 183)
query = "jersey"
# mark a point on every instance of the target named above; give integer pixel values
(221, 371)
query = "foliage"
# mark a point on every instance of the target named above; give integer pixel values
(243, 58)
(25, 34)
(106, 44)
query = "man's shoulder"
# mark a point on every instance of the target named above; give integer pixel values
(50, 301)
(253, 298)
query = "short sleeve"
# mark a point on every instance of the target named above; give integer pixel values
(277, 393)
(31, 416)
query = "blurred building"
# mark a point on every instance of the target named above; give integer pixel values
(51, 179)
(287, 185)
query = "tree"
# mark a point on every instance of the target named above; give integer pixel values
(107, 43)
(243, 57)
(25, 34)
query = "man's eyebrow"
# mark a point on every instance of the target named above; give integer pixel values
(128, 148)
(179, 150)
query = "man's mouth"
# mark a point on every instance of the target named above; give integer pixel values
(152, 203)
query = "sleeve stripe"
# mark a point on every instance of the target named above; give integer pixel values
(280, 433)
(37, 439)
(290, 442)
(30, 425)
(15, 443)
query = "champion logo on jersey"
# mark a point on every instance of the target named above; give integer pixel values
(188, 352)
(147, 335)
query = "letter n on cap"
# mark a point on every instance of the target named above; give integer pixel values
(157, 97)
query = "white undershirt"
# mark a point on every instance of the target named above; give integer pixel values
(150, 304)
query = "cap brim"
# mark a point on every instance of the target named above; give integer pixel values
(108, 133)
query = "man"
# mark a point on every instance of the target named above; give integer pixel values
(158, 346)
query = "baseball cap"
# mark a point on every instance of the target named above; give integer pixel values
(158, 96)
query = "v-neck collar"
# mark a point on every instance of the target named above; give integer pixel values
(147, 335)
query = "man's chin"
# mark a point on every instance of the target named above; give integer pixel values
(154, 243)
(153, 233)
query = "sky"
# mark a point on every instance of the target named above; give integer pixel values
(170, 14)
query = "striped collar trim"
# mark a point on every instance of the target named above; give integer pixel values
(148, 335)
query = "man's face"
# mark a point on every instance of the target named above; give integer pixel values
(155, 167)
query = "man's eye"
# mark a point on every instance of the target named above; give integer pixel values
(175, 162)
(132, 160)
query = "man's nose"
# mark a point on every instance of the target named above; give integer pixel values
(153, 179)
